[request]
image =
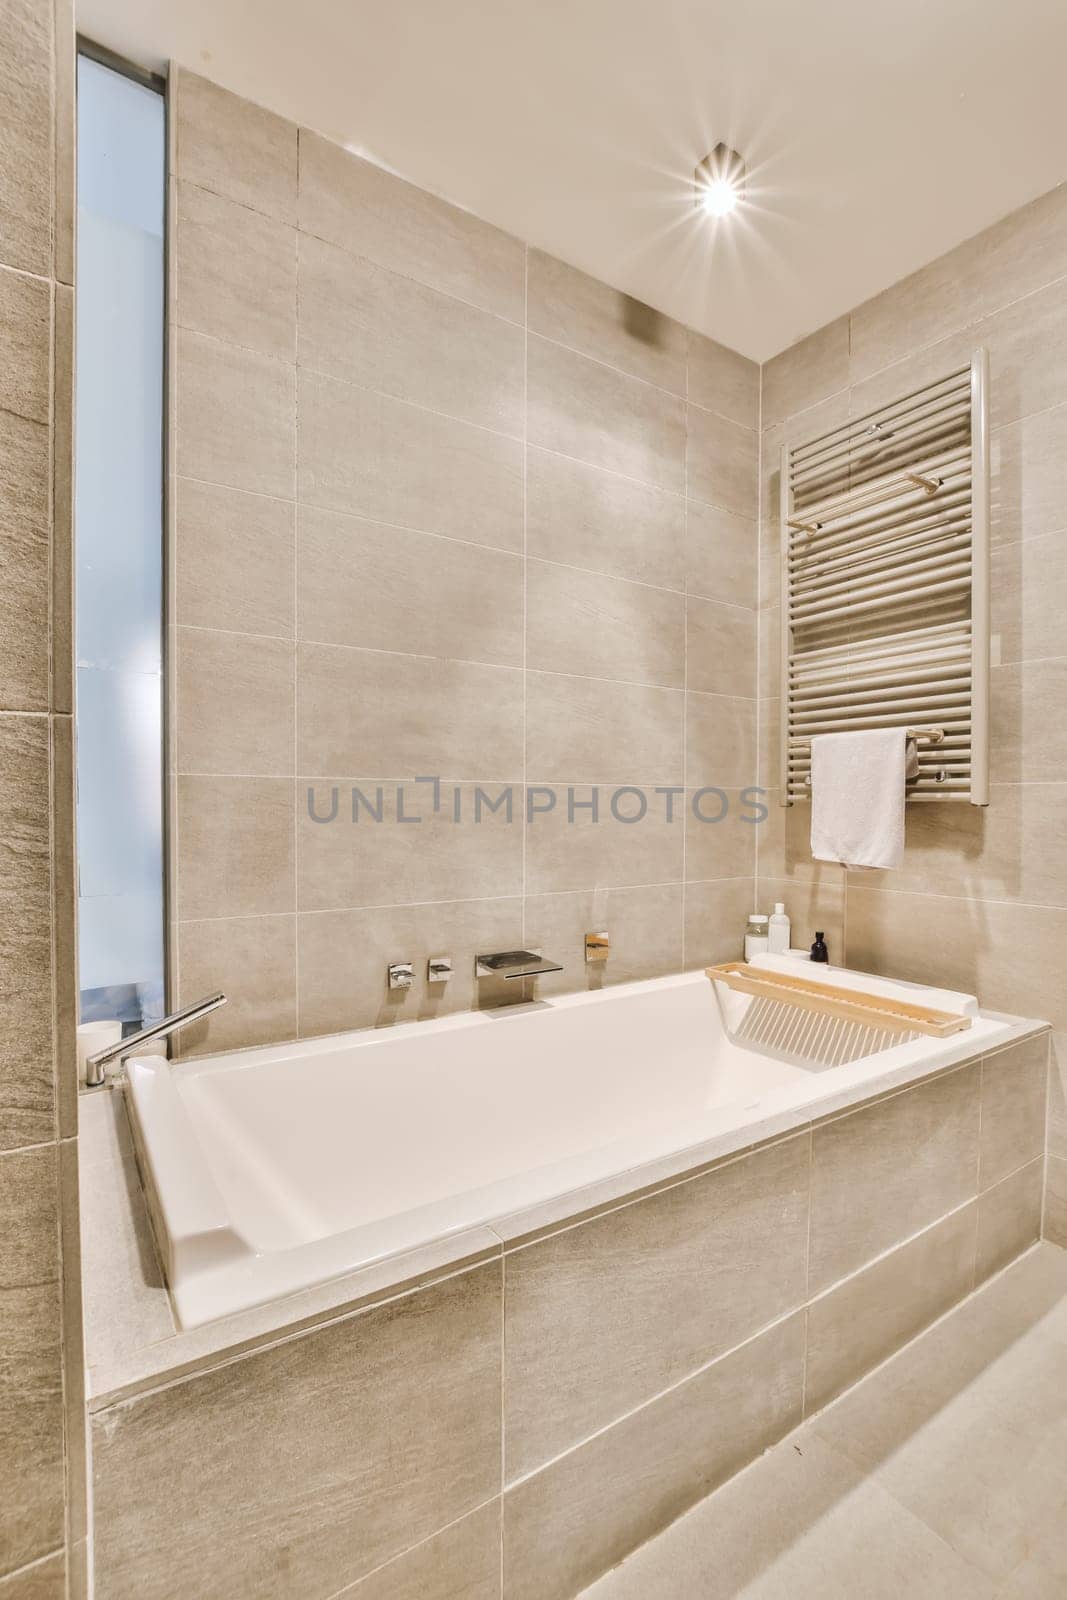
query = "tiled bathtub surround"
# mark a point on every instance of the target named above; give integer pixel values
(515, 1428)
(442, 506)
(42, 1418)
(981, 901)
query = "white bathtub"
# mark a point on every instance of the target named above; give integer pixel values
(271, 1170)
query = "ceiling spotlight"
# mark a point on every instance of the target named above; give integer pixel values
(720, 181)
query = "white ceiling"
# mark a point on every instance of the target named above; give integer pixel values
(877, 135)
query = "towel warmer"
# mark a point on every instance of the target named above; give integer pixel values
(885, 585)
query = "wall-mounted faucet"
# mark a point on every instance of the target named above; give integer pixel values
(514, 964)
(597, 947)
(401, 974)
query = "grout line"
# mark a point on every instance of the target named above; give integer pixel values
(352, 1589)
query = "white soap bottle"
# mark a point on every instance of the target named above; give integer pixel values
(756, 936)
(778, 932)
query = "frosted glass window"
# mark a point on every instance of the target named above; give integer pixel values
(119, 542)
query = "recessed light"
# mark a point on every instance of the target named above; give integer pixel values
(720, 181)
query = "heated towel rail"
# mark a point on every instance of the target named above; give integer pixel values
(885, 585)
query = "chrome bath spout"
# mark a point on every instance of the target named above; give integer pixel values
(95, 1064)
(514, 964)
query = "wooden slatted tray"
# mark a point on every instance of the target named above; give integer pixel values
(848, 1005)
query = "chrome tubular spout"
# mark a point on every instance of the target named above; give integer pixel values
(95, 1065)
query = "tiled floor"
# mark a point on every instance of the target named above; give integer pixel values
(944, 1475)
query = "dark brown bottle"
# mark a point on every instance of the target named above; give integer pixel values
(819, 951)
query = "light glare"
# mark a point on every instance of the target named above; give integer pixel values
(719, 197)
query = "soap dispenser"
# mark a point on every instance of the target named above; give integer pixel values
(819, 951)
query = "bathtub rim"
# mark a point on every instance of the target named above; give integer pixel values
(117, 1373)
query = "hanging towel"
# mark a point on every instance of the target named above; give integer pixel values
(857, 796)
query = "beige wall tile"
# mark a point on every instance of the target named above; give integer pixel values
(589, 316)
(584, 730)
(385, 588)
(1014, 1103)
(644, 926)
(65, 199)
(1025, 341)
(881, 1174)
(807, 372)
(31, 1400)
(235, 555)
(720, 647)
(382, 330)
(236, 421)
(723, 381)
(600, 521)
(587, 624)
(1027, 736)
(63, 502)
(1028, 592)
(720, 836)
(64, 924)
(785, 843)
(1020, 253)
(235, 273)
(235, 148)
(1013, 849)
(460, 1563)
(1057, 1097)
(27, 1094)
(399, 861)
(568, 850)
(44, 1580)
(595, 413)
(344, 957)
(1028, 473)
(25, 346)
(1009, 1219)
(596, 1324)
(26, 138)
(235, 703)
(1054, 1226)
(406, 1396)
(720, 740)
(377, 457)
(364, 712)
(24, 564)
(721, 554)
(715, 918)
(983, 947)
(373, 213)
(236, 846)
(253, 961)
(860, 1322)
(73, 1354)
(566, 1525)
(721, 462)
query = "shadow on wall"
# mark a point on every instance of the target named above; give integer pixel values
(644, 323)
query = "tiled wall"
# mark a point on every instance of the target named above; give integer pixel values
(981, 903)
(442, 506)
(42, 1422)
(513, 1431)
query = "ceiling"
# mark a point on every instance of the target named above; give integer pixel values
(877, 136)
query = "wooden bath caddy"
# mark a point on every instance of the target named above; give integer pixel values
(847, 1005)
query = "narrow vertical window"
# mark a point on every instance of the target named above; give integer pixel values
(119, 574)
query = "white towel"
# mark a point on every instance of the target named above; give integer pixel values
(857, 796)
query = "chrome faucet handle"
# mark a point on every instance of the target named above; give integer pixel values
(597, 947)
(514, 964)
(438, 969)
(401, 974)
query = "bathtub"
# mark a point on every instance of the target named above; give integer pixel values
(271, 1170)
